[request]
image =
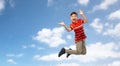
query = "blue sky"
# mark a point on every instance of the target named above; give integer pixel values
(30, 34)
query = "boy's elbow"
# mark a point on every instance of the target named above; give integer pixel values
(86, 20)
(68, 30)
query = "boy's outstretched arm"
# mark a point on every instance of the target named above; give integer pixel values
(84, 17)
(67, 28)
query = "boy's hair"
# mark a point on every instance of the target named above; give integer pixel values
(73, 13)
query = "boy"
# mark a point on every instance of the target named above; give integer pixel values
(77, 26)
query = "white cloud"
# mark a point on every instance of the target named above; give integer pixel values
(114, 31)
(50, 2)
(37, 57)
(73, 5)
(115, 63)
(97, 25)
(52, 57)
(29, 46)
(32, 45)
(69, 37)
(104, 5)
(11, 3)
(114, 15)
(2, 5)
(24, 46)
(108, 25)
(83, 2)
(68, 64)
(95, 52)
(51, 37)
(3, 2)
(11, 61)
(40, 48)
(15, 55)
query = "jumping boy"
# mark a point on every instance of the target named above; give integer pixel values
(77, 26)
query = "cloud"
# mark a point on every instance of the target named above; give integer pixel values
(104, 5)
(97, 25)
(108, 25)
(24, 46)
(114, 31)
(2, 5)
(83, 2)
(11, 61)
(95, 52)
(15, 55)
(68, 64)
(52, 37)
(40, 48)
(114, 15)
(115, 63)
(11, 3)
(50, 2)
(29, 46)
(69, 37)
(52, 57)
(32, 46)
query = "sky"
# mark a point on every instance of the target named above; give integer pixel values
(30, 34)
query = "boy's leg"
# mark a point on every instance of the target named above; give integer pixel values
(83, 48)
(78, 49)
(68, 54)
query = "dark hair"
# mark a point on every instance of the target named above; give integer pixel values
(73, 13)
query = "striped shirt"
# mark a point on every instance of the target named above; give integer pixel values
(78, 29)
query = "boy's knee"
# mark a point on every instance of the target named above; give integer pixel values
(78, 52)
(81, 53)
(84, 53)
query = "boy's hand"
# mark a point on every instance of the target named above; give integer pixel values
(61, 23)
(81, 12)
(84, 17)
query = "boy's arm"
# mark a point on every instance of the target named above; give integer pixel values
(67, 28)
(84, 17)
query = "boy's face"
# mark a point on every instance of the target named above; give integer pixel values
(73, 17)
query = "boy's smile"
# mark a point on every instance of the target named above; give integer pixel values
(73, 17)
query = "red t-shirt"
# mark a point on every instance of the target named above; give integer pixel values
(78, 29)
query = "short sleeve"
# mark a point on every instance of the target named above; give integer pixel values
(71, 26)
(81, 21)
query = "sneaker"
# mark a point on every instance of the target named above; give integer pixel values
(68, 54)
(62, 51)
